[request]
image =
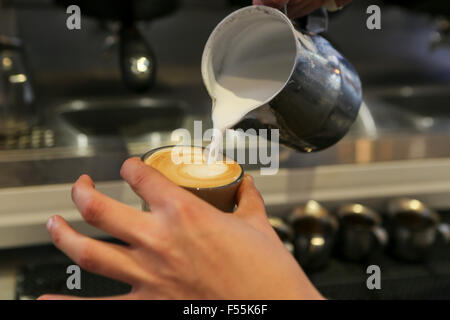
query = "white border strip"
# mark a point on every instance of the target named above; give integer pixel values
(24, 211)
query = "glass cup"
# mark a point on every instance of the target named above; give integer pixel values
(223, 197)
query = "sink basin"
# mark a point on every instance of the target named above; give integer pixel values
(429, 106)
(410, 109)
(122, 117)
(432, 111)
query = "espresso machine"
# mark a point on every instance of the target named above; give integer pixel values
(365, 168)
(16, 89)
(138, 62)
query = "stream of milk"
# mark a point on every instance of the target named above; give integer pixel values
(244, 87)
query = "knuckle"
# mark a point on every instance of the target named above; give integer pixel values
(130, 167)
(183, 209)
(74, 192)
(76, 187)
(56, 236)
(92, 210)
(125, 165)
(162, 245)
(86, 259)
(140, 179)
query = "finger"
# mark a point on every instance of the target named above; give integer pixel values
(110, 260)
(108, 214)
(298, 3)
(251, 208)
(295, 8)
(64, 297)
(272, 3)
(153, 187)
(250, 201)
(305, 9)
(341, 3)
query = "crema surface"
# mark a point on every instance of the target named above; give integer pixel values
(188, 167)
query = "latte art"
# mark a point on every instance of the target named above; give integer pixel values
(189, 167)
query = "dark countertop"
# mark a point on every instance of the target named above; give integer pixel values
(43, 269)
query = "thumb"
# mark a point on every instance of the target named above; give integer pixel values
(272, 3)
(249, 200)
(251, 207)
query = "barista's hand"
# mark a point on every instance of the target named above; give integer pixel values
(300, 8)
(184, 248)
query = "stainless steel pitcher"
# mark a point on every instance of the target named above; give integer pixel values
(320, 97)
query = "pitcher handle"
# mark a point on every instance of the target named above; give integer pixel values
(316, 22)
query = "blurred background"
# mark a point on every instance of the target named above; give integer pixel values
(71, 102)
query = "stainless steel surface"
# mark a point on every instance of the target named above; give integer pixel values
(90, 135)
(103, 122)
(312, 209)
(321, 97)
(411, 109)
(315, 231)
(414, 229)
(391, 151)
(387, 130)
(321, 100)
(361, 234)
(360, 210)
(69, 136)
(16, 90)
(405, 205)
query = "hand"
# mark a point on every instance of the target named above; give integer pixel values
(299, 8)
(185, 248)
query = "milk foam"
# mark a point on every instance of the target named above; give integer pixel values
(194, 172)
(204, 172)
